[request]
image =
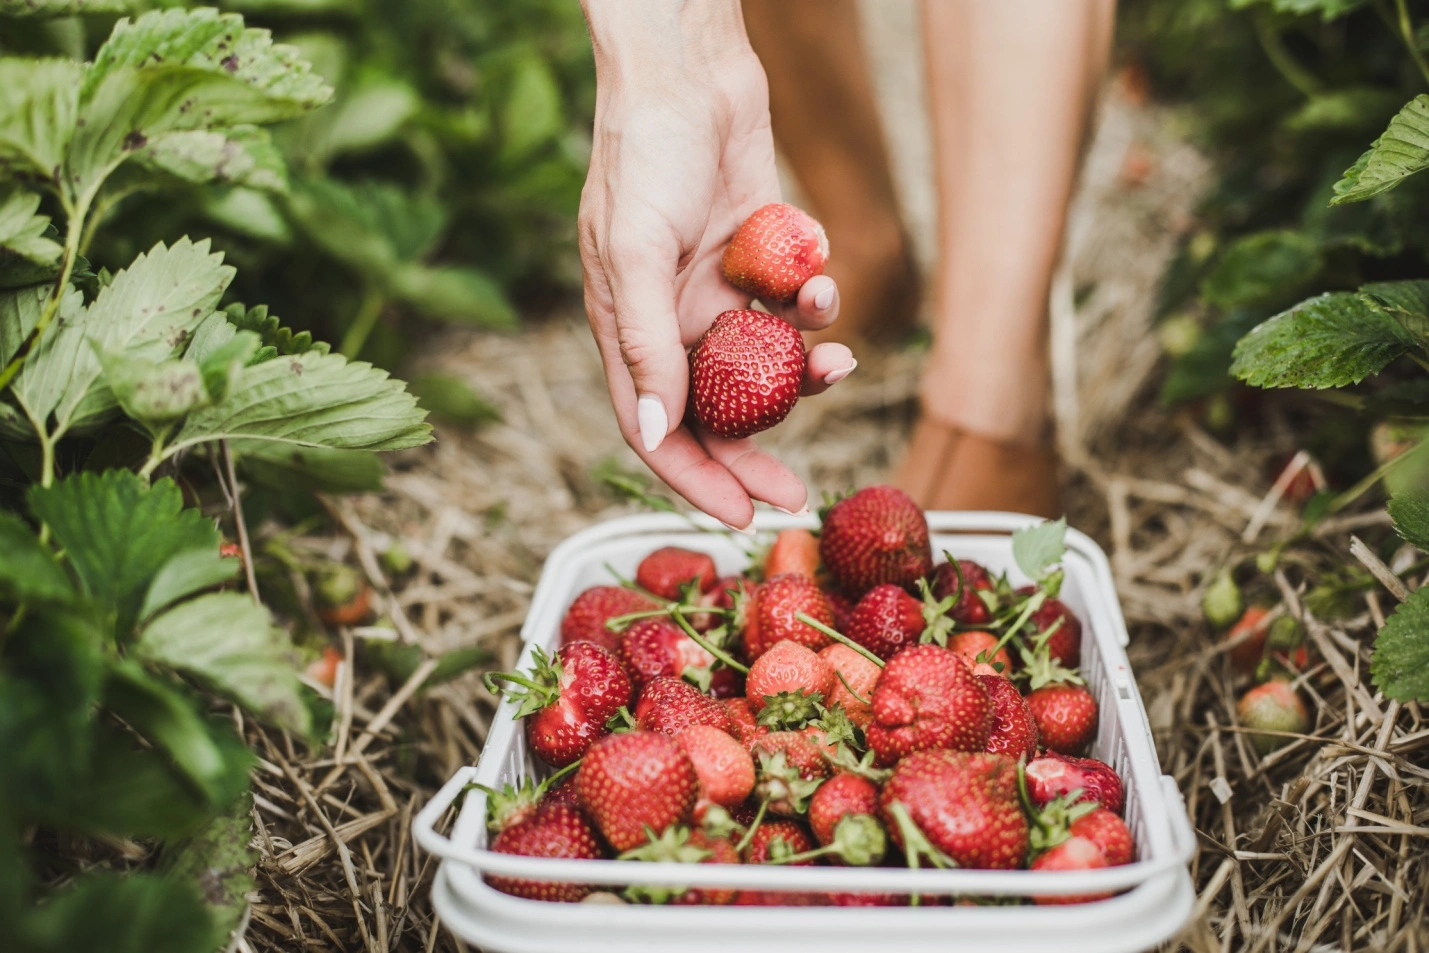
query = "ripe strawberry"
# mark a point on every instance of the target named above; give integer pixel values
(841, 795)
(970, 609)
(323, 669)
(1109, 833)
(746, 728)
(745, 373)
(665, 571)
(842, 606)
(775, 250)
(1273, 706)
(1066, 716)
(1014, 730)
(885, 620)
(794, 550)
(567, 699)
(585, 620)
(555, 830)
(777, 838)
(964, 804)
(771, 614)
(877, 535)
(787, 667)
(778, 898)
(926, 698)
(854, 678)
(721, 851)
(1076, 853)
(1054, 775)
(1253, 626)
(1064, 645)
(977, 645)
(725, 769)
(563, 793)
(656, 647)
(634, 780)
(868, 899)
(670, 705)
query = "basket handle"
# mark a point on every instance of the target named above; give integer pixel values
(424, 825)
(1183, 833)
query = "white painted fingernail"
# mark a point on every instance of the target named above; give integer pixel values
(802, 512)
(824, 299)
(747, 530)
(834, 377)
(650, 413)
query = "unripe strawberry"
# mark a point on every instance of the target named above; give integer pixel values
(745, 373)
(1274, 706)
(774, 252)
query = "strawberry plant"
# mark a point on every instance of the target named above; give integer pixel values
(123, 636)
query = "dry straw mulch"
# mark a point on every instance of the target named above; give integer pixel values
(1317, 846)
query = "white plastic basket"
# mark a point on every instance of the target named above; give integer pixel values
(1158, 894)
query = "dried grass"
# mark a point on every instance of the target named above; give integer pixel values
(1317, 846)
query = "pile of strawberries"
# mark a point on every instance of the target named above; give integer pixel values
(844, 701)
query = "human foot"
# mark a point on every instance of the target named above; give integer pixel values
(949, 468)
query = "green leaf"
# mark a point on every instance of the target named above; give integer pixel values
(312, 400)
(129, 913)
(19, 313)
(1264, 269)
(1411, 519)
(1328, 341)
(453, 293)
(184, 575)
(118, 533)
(172, 71)
(155, 394)
(38, 101)
(274, 337)
(27, 252)
(1349, 110)
(169, 719)
(1327, 9)
(219, 860)
(531, 113)
(28, 573)
(372, 111)
(62, 8)
(147, 313)
(1039, 548)
(451, 398)
(286, 468)
(1401, 151)
(1407, 302)
(228, 642)
(221, 364)
(1401, 652)
(243, 155)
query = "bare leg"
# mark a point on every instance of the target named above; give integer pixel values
(1010, 86)
(826, 124)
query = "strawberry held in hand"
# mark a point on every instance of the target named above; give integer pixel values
(633, 781)
(877, 535)
(567, 699)
(745, 373)
(774, 252)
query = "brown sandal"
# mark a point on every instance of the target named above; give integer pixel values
(948, 468)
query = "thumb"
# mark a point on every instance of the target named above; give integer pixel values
(650, 344)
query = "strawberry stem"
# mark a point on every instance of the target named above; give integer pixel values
(704, 643)
(861, 700)
(1033, 603)
(748, 837)
(839, 637)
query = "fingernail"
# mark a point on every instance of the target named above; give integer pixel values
(802, 512)
(824, 299)
(747, 530)
(834, 377)
(650, 413)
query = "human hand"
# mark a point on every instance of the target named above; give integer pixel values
(682, 154)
